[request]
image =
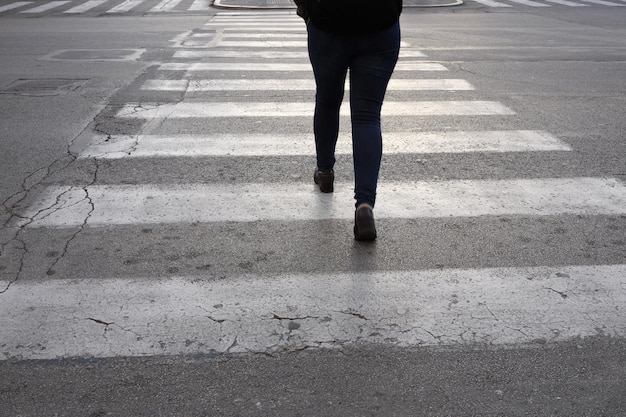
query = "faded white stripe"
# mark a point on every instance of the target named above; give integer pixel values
(86, 6)
(267, 24)
(305, 109)
(492, 3)
(566, 3)
(263, 28)
(254, 35)
(107, 205)
(46, 7)
(194, 86)
(262, 44)
(115, 147)
(195, 54)
(165, 5)
(252, 313)
(200, 5)
(530, 3)
(14, 5)
(125, 6)
(258, 19)
(251, 13)
(604, 3)
(280, 66)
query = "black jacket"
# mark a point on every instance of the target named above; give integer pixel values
(350, 17)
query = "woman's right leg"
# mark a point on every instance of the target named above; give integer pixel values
(329, 59)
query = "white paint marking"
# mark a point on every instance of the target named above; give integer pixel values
(567, 3)
(305, 109)
(492, 3)
(255, 35)
(165, 6)
(125, 6)
(268, 20)
(63, 318)
(14, 5)
(195, 86)
(46, 7)
(264, 29)
(187, 54)
(250, 13)
(530, 3)
(262, 44)
(279, 66)
(604, 3)
(195, 54)
(200, 5)
(267, 25)
(147, 146)
(108, 205)
(81, 8)
(166, 85)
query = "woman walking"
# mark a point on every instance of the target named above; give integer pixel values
(362, 37)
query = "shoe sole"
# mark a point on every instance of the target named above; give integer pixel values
(366, 232)
(364, 235)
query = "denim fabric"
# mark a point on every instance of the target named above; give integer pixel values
(370, 59)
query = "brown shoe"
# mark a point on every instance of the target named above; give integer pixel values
(364, 227)
(324, 180)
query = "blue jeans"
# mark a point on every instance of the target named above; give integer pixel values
(371, 59)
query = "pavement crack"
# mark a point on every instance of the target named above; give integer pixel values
(12, 207)
(232, 345)
(109, 324)
(23, 251)
(491, 313)
(277, 317)
(106, 323)
(561, 293)
(74, 235)
(12, 204)
(353, 313)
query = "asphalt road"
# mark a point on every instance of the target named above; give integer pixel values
(145, 272)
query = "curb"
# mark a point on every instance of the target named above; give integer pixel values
(288, 4)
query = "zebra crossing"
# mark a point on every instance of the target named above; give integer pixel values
(113, 7)
(225, 112)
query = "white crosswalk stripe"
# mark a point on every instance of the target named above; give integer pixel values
(272, 109)
(173, 316)
(567, 3)
(165, 5)
(104, 205)
(603, 3)
(45, 7)
(200, 5)
(301, 144)
(277, 66)
(530, 3)
(15, 5)
(86, 6)
(125, 6)
(256, 312)
(270, 54)
(195, 86)
(492, 3)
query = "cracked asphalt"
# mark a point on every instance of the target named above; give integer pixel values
(307, 322)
